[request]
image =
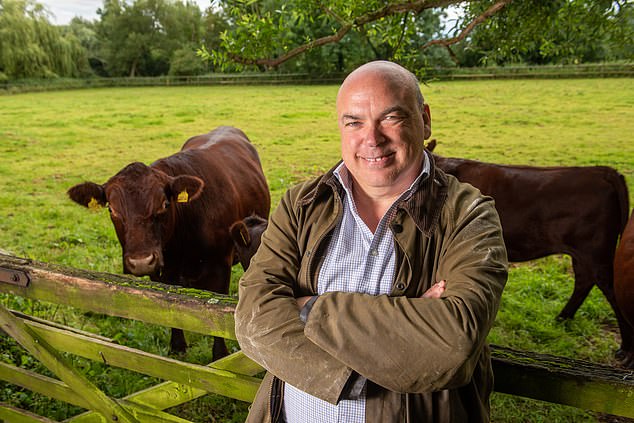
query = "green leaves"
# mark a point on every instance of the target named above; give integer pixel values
(30, 47)
(335, 35)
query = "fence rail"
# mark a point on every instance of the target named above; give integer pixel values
(274, 78)
(544, 377)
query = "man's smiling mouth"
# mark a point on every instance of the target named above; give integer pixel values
(376, 159)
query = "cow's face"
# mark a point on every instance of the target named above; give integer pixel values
(246, 235)
(142, 203)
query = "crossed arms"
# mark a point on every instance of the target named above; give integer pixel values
(402, 344)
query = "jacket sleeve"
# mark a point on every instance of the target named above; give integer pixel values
(419, 345)
(268, 326)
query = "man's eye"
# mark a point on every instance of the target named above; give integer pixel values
(393, 118)
(352, 124)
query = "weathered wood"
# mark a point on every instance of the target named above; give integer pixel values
(206, 378)
(55, 362)
(576, 383)
(172, 394)
(124, 296)
(11, 414)
(44, 385)
(142, 413)
(58, 390)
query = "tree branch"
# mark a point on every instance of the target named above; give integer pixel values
(294, 52)
(388, 10)
(477, 21)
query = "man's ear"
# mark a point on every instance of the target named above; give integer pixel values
(185, 188)
(88, 194)
(427, 120)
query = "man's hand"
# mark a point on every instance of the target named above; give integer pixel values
(436, 290)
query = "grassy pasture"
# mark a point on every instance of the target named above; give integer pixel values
(51, 141)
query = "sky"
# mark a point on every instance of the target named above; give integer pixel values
(65, 10)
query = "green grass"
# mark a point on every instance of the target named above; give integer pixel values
(51, 141)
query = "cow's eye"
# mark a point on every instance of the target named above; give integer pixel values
(164, 207)
(113, 213)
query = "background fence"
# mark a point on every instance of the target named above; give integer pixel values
(273, 78)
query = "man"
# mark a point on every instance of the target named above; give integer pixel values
(339, 303)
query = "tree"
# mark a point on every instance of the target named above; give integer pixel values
(560, 31)
(31, 47)
(141, 38)
(86, 33)
(266, 36)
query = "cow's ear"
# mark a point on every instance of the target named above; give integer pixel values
(185, 188)
(240, 233)
(88, 194)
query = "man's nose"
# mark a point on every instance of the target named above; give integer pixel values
(374, 136)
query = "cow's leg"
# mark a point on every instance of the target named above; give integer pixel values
(219, 349)
(583, 285)
(178, 344)
(605, 282)
(628, 360)
(627, 332)
(222, 274)
(626, 351)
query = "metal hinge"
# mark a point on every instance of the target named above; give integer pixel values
(14, 277)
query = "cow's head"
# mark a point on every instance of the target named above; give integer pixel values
(246, 235)
(142, 203)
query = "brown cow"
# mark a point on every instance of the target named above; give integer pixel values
(579, 211)
(624, 287)
(172, 218)
(246, 236)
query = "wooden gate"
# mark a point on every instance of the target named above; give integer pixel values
(554, 379)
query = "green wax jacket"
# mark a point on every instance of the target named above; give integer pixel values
(426, 360)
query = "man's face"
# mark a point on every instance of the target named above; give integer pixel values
(382, 131)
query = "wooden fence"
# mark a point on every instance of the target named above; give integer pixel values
(599, 70)
(560, 380)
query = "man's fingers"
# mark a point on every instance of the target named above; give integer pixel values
(436, 290)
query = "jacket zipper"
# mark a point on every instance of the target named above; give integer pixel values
(311, 276)
(276, 399)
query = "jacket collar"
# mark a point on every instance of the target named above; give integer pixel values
(423, 206)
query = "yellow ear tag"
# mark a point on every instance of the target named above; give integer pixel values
(93, 204)
(183, 197)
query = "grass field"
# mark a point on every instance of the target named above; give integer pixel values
(51, 141)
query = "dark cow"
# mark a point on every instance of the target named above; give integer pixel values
(246, 236)
(624, 288)
(579, 211)
(172, 218)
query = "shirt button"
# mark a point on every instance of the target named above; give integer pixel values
(374, 252)
(400, 286)
(397, 228)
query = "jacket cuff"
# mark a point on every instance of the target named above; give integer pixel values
(303, 314)
(354, 387)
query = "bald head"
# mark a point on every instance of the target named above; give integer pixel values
(394, 75)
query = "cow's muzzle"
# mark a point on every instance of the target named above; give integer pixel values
(142, 266)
